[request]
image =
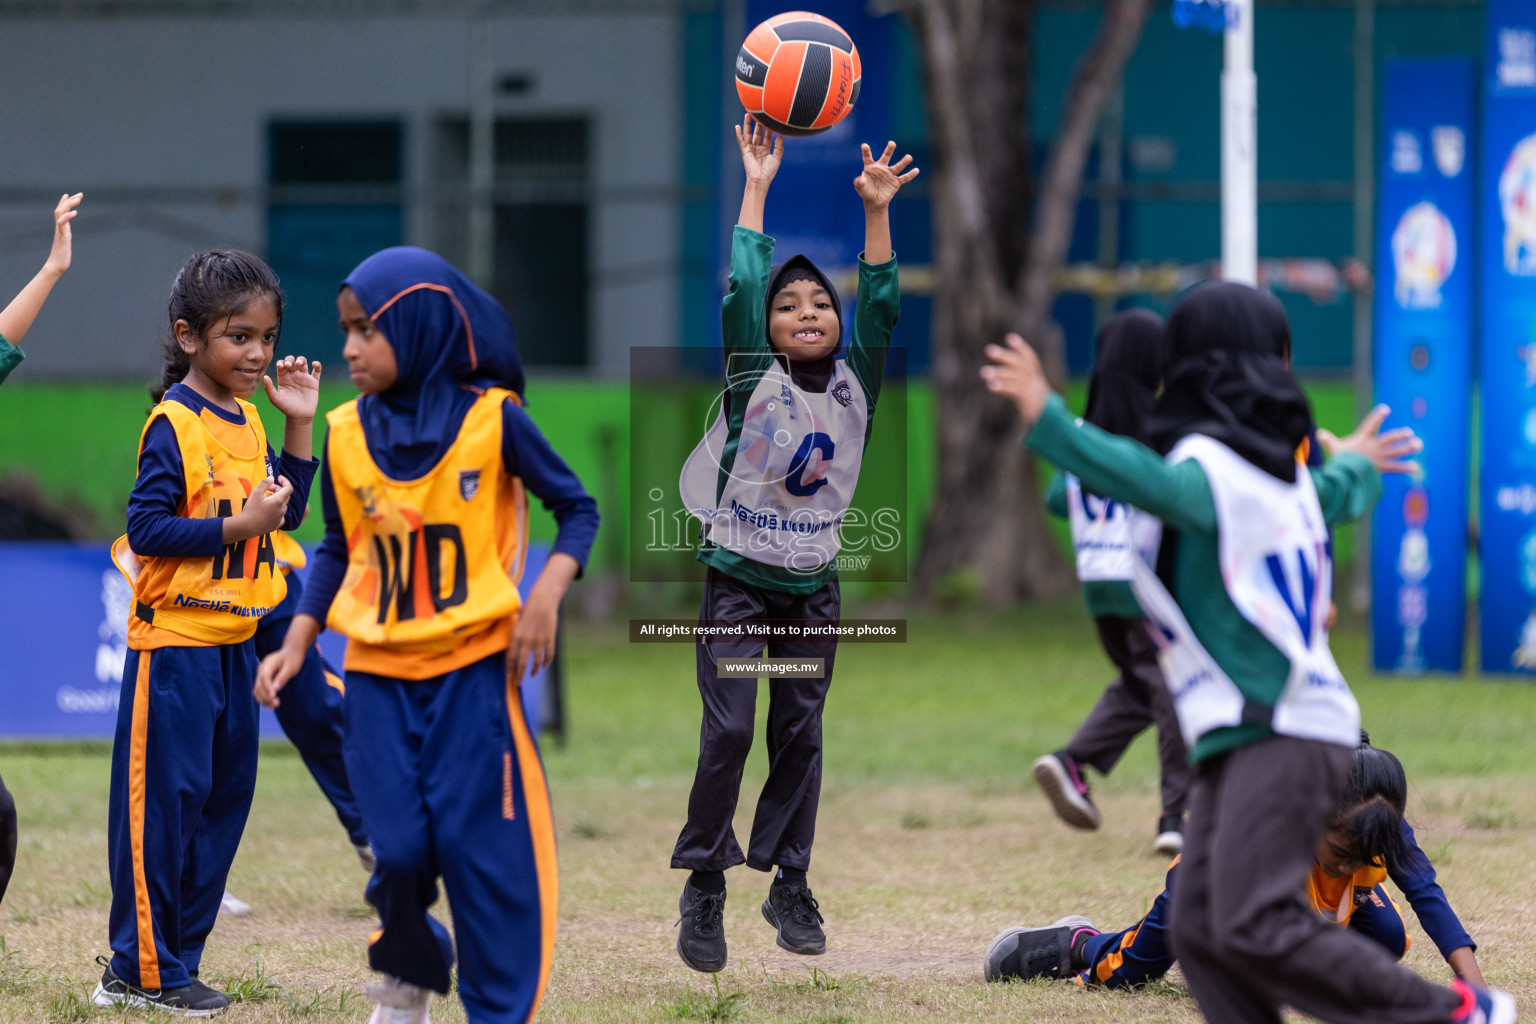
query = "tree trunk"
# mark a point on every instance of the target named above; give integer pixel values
(987, 520)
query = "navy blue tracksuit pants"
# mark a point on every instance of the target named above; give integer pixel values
(183, 774)
(309, 710)
(1142, 953)
(450, 783)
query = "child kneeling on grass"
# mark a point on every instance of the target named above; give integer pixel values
(1368, 841)
(771, 481)
(1238, 609)
(423, 489)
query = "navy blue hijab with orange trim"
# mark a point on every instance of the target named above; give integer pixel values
(451, 341)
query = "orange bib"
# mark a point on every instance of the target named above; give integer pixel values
(196, 602)
(1334, 898)
(433, 563)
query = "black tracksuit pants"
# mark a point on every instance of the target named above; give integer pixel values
(1136, 699)
(785, 823)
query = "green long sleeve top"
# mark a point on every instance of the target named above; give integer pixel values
(10, 357)
(1180, 496)
(1104, 598)
(748, 355)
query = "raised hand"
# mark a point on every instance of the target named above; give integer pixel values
(63, 236)
(1389, 452)
(761, 150)
(881, 179)
(1016, 374)
(297, 391)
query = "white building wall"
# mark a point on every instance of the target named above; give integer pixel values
(163, 123)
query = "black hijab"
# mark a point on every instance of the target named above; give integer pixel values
(811, 376)
(1228, 345)
(1127, 373)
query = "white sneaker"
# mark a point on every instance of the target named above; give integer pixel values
(399, 1003)
(1169, 844)
(233, 905)
(366, 855)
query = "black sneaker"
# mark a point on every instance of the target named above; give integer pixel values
(1020, 954)
(701, 932)
(194, 1000)
(1066, 786)
(796, 914)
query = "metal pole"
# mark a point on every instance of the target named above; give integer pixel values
(1365, 211)
(1239, 150)
(482, 152)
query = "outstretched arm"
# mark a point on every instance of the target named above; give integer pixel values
(17, 318)
(1116, 467)
(761, 153)
(877, 185)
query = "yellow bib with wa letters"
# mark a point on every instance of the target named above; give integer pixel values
(195, 602)
(433, 563)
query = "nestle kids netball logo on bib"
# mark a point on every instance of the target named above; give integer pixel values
(1517, 205)
(1423, 256)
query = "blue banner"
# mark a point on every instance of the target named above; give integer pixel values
(1423, 363)
(64, 637)
(1508, 536)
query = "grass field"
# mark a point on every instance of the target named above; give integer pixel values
(932, 837)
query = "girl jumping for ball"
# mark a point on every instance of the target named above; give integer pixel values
(770, 482)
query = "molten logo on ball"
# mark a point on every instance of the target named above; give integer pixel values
(798, 73)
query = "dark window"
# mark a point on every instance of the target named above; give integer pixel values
(541, 222)
(330, 153)
(335, 202)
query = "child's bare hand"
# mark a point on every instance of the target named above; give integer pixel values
(1389, 452)
(265, 508)
(761, 150)
(533, 638)
(1016, 374)
(273, 674)
(62, 253)
(297, 392)
(881, 179)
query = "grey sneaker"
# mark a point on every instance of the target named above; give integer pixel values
(701, 931)
(1019, 954)
(1066, 786)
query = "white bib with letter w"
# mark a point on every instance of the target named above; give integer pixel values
(1108, 535)
(1277, 566)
